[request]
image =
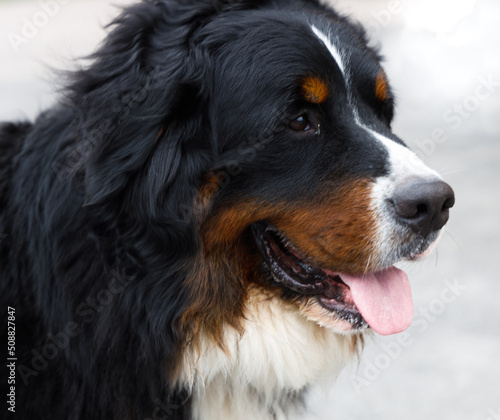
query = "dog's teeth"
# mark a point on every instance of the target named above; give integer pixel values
(310, 269)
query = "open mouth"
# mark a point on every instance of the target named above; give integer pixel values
(381, 300)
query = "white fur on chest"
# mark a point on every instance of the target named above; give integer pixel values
(267, 368)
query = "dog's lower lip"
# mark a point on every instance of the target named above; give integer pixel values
(286, 267)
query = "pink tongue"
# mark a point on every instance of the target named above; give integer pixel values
(383, 298)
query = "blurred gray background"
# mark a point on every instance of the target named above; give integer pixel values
(443, 58)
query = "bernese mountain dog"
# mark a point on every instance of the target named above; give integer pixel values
(207, 223)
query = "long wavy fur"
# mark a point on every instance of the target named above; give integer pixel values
(97, 220)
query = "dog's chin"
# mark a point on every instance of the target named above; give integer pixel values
(345, 302)
(425, 249)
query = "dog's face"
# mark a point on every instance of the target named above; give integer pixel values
(331, 197)
(272, 127)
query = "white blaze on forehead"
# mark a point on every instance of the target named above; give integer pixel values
(334, 51)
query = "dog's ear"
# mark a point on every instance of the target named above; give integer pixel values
(132, 99)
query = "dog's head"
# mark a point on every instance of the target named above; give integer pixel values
(267, 131)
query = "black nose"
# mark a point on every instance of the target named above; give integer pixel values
(423, 205)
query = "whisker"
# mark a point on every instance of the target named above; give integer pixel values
(367, 265)
(455, 240)
(345, 262)
(451, 170)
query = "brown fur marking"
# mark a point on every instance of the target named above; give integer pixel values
(381, 87)
(315, 90)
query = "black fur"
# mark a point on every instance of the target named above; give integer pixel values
(97, 220)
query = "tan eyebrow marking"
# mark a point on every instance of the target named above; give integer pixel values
(315, 89)
(381, 87)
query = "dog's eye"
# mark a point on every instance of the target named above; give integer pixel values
(300, 124)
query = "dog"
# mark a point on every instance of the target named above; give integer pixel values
(206, 225)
